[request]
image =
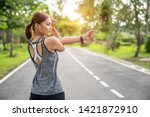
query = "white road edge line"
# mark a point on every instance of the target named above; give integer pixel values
(82, 66)
(86, 69)
(96, 77)
(15, 70)
(91, 73)
(117, 93)
(104, 84)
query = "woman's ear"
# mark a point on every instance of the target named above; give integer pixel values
(36, 25)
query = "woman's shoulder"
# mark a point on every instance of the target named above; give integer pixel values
(54, 43)
(51, 40)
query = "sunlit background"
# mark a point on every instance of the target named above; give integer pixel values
(69, 8)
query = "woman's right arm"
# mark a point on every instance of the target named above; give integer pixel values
(54, 30)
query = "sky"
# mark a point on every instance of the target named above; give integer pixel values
(69, 9)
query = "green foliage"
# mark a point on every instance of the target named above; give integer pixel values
(9, 63)
(100, 36)
(42, 7)
(68, 28)
(126, 39)
(16, 11)
(106, 15)
(122, 38)
(86, 9)
(88, 13)
(147, 44)
(3, 24)
(15, 15)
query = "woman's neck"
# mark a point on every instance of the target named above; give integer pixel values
(36, 37)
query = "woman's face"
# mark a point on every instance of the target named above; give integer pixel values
(44, 27)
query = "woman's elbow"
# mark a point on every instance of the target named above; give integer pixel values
(62, 49)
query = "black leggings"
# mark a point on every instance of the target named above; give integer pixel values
(59, 96)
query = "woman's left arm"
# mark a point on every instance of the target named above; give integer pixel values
(68, 40)
(87, 37)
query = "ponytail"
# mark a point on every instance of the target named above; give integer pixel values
(28, 32)
(38, 17)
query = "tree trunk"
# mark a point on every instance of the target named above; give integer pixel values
(114, 46)
(137, 30)
(11, 43)
(9, 37)
(138, 38)
(4, 42)
(138, 48)
(146, 19)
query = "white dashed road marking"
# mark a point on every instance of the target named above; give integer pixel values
(91, 73)
(104, 84)
(86, 69)
(96, 77)
(116, 93)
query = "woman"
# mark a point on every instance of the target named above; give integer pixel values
(43, 49)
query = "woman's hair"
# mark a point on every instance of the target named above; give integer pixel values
(38, 17)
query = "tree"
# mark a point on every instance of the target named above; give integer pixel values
(3, 27)
(59, 6)
(137, 24)
(147, 16)
(112, 16)
(67, 27)
(87, 11)
(15, 12)
(130, 15)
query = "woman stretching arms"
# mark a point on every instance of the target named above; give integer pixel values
(43, 49)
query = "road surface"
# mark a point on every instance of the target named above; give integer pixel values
(85, 76)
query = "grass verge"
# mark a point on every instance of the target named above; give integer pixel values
(9, 63)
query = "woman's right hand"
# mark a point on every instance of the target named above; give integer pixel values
(52, 27)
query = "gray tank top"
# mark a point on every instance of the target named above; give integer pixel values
(46, 80)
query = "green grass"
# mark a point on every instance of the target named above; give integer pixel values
(9, 63)
(124, 52)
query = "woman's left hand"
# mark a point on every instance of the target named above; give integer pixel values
(89, 35)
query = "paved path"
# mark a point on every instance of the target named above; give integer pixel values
(84, 75)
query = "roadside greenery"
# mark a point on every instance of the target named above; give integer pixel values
(14, 16)
(147, 44)
(111, 17)
(9, 63)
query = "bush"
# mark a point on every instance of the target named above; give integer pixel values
(126, 39)
(147, 44)
(117, 44)
(1, 48)
(100, 36)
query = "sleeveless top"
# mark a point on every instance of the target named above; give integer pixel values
(46, 80)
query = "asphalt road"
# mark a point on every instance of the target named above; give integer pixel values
(85, 76)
